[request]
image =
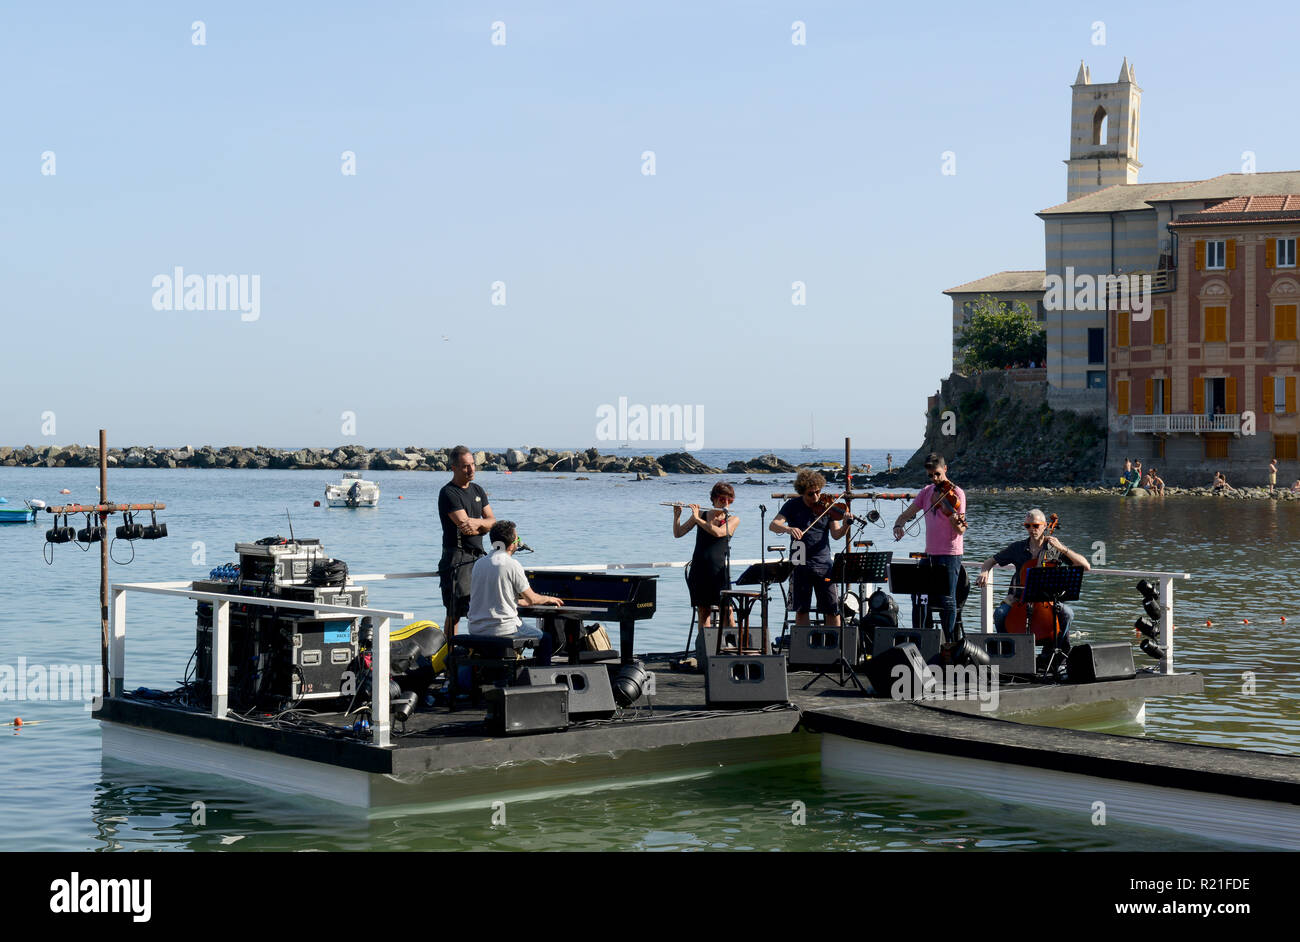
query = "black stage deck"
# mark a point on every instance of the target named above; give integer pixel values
(438, 740)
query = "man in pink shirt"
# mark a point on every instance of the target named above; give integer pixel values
(944, 526)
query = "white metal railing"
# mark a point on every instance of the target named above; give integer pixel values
(1186, 422)
(1166, 583)
(220, 667)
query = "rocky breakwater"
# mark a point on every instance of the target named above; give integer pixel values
(997, 429)
(360, 458)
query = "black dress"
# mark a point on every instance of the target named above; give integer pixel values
(708, 568)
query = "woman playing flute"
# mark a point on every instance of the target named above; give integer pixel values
(708, 576)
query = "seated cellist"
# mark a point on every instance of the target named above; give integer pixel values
(1036, 548)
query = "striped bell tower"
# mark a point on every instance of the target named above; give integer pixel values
(1103, 132)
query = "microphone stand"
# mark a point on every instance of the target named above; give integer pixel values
(762, 555)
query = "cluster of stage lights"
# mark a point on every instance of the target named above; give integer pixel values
(63, 532)
(1146, 625)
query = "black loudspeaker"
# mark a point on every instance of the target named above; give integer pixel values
(900, 672)
(813, 647)
(707, 641)
(515, 710)
(1011, 654)
(926, 641)
(590, 693)
(747, 680)
(1111, 660)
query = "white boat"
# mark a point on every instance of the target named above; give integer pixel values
(352, 492)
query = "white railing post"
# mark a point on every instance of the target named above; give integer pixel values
(986, 606)
(379, 721)
(220, 659)
(1167, 624)
(117, 645)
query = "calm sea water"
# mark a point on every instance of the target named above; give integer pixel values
(58, 795)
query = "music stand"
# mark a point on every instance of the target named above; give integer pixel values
(852, 567)
(920, 578)
(1054, 584)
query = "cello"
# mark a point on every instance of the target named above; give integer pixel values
(1038, 617)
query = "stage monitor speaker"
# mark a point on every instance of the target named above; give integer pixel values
(926, 640)
(590, 692)
(707, 641)
(515, 710)
(1110, 660)
(746, 680)
(1010, 653)
(901, 673)
(814, 647)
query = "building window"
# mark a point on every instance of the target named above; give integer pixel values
(1096, 345)
(1283, 388)
(1216, 446)
(1216, 324)
(1284, 447)
(1042, 312)
(1286, 253)
(1096, 379)
(1122, 321)
(1284, 321)
(1216, 254)
(1121, 397)
(1158, 326)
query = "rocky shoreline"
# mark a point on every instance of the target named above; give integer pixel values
(359, 458)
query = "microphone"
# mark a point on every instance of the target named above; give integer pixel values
(525, 548)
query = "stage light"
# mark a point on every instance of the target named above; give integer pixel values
(1153, 649)
(130, 530)
(91, 532)
(1147, 627)
(1148, 590)
(1154, 609)
(154, 530)
(629, 683)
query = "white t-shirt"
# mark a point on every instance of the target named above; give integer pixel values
(496, 582)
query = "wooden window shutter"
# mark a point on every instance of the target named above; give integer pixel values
(1121, 397)
(1270, 253)
(1290, 394)
(1230, 399)
(1268, 394)
(1158, 326)
(1123, 317)
(1284, 322)
(1168, 387)
(1231, 253)
(1198, 395)
(1200, 254)
(1150, 397)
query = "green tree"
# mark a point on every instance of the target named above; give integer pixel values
(996, 336)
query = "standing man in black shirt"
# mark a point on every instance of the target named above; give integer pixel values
(465, 515)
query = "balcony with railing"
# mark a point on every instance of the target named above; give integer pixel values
(1186, 422)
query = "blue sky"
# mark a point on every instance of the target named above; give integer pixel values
(521, 163)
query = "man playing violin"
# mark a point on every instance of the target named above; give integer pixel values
(809, 521)
(944, 505)
(1021, 553)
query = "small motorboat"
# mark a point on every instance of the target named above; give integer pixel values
(352, 492)
(25, 514)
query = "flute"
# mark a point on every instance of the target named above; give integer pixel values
(703, 507)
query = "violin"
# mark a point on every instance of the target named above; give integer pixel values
(829, 507)
(947, 501)
(1038, 617)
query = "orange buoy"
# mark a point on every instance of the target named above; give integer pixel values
(1245, 621)
(1284, 618)
(1208, 623)
(315, 503)
(18, 721)
(400, 497)
(65, 491)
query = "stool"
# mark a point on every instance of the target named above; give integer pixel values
(743, 601)
(499, 656)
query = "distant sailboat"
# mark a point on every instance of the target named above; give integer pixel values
(809, 446)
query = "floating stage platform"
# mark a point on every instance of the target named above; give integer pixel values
(445, 760)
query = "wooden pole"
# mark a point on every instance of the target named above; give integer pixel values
(103, 558)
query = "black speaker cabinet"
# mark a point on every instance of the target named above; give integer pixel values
(901, 673)
(590, 693)
(515, 710)
(1110, 660)
(815, 647)
(926, 641)
(745, 680)
(1010, 653)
